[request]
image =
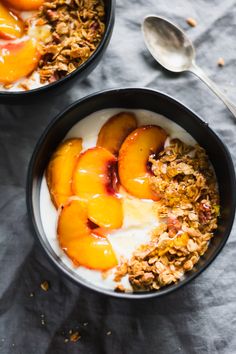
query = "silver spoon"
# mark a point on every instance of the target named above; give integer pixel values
(170, 46)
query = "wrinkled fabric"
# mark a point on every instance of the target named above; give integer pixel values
(199, 318)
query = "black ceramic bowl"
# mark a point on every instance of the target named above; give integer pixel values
(136, 98)
(66, 82)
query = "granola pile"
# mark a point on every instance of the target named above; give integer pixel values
(76, 28)
(188, 208)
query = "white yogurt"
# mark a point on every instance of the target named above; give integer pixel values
(139, 215)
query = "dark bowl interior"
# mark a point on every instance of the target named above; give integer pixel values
(134, 98)
(59, 86)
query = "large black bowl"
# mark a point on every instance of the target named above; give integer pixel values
(136, 98)
(24, 97)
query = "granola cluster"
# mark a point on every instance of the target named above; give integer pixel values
(76, 28)
(188, 208)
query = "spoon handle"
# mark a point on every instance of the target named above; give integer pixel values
(200, 73)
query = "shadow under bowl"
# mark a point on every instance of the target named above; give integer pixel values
(62, 85)
(136, 98)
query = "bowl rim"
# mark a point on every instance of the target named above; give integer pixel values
(81, 68)
(89, 286)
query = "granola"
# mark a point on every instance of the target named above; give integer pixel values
(76, 28)
(188, 209)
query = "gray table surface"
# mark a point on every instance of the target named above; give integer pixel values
(201, 317)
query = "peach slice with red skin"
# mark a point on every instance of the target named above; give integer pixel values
(17, 60)
(11, 27)
(78, 241)
(95, 180)
(133, 160)
(115, 130)
(60, 170)
(24, 5)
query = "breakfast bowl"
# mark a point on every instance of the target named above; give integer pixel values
(45, 51)
(177, 247)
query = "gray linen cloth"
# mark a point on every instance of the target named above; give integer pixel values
(199, 318)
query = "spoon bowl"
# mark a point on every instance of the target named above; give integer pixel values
(168, 44)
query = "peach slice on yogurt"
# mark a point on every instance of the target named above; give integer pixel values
(60, 170)
(115, 130)
(133, 159)
(95, 180)
(17, 59)
(24, 5)
(11, 27)
(83, 246)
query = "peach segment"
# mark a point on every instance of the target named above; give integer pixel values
(17, 60)
(115, 130)
(95, 180)
(78, 241)
(25, 5)
(133, 159)
(72, 222)
(60, 170)
(92, 173)
(99, 213)
(11, 27)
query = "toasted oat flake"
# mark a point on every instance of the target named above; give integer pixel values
(120, 288)
(44, 285)
(221, 62)
(75, 336)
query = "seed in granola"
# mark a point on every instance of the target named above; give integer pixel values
(191, 22)
(45, 285)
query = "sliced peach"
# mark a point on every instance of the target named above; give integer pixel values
(93, 173)
(115, 130)
(133, 159)
(60, 170)
(78, 241)
(72, 222)
(105, 211)
(11, 27)
(25, 5)
(17, 60)
(95, 180)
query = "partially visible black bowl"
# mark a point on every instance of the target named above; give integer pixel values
(136, 98)
(61, 85)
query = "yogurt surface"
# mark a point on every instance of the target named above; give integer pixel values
(139, 214)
